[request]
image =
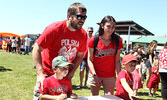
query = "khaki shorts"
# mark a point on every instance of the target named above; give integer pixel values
(107, 83)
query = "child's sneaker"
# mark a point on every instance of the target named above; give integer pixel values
(149, 94)
(154, 95)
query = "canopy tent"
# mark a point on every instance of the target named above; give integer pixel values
(146, 40)
(4, 35)
(7, 34)
(130, 28)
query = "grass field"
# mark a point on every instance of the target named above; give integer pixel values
(17, 79)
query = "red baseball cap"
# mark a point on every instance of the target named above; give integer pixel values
(128, 58)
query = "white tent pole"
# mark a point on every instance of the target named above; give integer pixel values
(128, 38)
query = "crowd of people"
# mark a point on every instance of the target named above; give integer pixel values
(64, 45)
(14, 44)
(18, 45)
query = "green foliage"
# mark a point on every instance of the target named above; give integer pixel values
(17, 79)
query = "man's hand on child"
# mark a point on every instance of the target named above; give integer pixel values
(40, 80)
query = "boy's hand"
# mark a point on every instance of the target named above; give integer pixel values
(62, 96)
(74, 96)
(132, 96)
(135, 97)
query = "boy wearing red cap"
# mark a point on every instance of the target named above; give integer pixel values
(124, 83)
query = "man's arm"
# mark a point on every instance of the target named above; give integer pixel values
(36, 54)
(77, 61)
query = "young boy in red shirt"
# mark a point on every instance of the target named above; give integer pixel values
(57, 86)
(124, 83)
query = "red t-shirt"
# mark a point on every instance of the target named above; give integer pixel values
(58, 40)
(53, 86)
(104, 58)
(120, 91)
(22, 42)
(8, 41)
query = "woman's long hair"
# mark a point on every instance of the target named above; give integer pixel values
(101, 30)
(151, 47)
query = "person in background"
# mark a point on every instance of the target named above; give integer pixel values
(13, 45)
(64, 38)
(124, 83)
(163, 71)
(155, 78)
(84, 63)
(8, 41)
(27, 43)
(106, 59)
(57, 86)
(22, 45)
(137, 74)
(144, 69)
(150, 52)
(18, 45)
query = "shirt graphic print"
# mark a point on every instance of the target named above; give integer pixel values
(69, 48)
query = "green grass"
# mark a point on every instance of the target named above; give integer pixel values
(17, 79)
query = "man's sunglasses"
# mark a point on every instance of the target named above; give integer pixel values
(79, 17)
(90, 31)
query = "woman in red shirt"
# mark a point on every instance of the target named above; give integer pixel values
(106, 58)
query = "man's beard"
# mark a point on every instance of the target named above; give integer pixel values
(74, 25)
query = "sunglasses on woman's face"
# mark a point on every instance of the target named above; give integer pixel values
(79, 17)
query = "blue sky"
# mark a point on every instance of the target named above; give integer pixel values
(32, 16)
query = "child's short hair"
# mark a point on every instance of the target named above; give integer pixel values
(60, 61)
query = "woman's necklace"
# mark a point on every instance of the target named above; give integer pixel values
(106, 42)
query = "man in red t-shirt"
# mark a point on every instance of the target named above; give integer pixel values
(64, 38)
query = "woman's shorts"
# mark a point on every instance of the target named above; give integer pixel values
(106, 82)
